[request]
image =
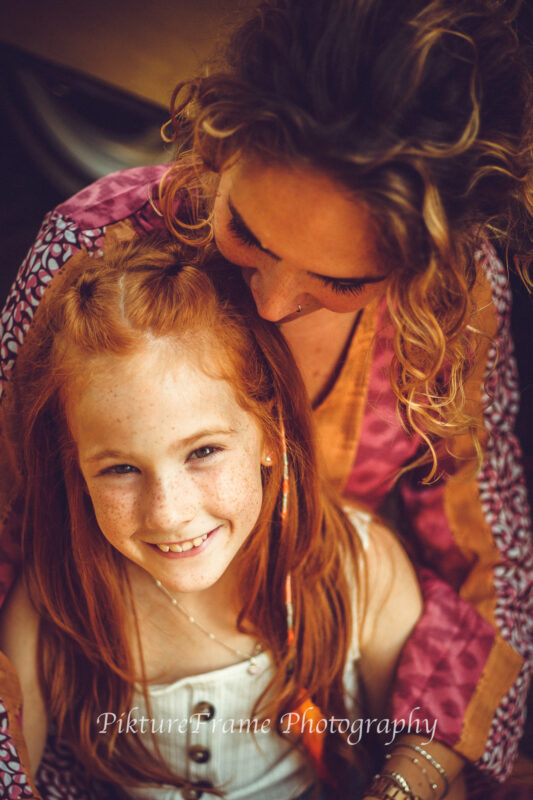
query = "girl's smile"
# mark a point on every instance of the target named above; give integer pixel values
(172, 463)
(187, 547)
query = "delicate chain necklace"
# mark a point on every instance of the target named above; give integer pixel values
(252, 663)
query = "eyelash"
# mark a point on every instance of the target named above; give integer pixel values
(214, 451)
(242, 234)
(128, 469)
(119, 469)
(246, 238)
(342, 288)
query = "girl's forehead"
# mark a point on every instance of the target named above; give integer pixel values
(157, 394)
(192, 368)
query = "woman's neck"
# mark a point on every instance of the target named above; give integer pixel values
(318, 343)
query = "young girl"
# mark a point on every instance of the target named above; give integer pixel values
(186, 576)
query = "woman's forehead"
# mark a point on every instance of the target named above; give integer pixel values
(301, 216)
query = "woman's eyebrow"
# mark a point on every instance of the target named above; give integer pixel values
(241, 224)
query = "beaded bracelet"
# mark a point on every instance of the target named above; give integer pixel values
(385, 787)
(399, 780)
(435, 764)
(415, 760)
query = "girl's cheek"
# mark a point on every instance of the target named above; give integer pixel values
(113, 509)
(235, 490)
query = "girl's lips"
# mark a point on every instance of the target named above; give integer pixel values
(187, 553)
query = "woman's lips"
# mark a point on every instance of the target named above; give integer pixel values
(191, 549)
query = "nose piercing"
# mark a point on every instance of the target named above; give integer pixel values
(299, 309)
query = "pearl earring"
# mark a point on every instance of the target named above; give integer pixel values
(268, 459)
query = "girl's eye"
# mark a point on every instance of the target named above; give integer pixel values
(342, 288)
(203, 452)
(242, 233)
(119, 469)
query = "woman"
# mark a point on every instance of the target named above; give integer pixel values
(360, 148)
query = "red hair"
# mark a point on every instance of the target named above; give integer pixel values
(111, 305)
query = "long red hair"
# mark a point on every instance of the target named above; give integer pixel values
(77, 580)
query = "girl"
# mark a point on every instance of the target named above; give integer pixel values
(358, 159)
(183, 564)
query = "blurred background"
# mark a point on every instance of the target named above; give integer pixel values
(84, 90)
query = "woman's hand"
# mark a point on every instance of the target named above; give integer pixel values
(432, 771)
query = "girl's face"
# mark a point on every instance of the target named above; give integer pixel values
(171, 461)
(299, 238)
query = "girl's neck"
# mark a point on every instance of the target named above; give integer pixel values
(173, 647)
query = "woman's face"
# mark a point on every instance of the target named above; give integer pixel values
(299, 238)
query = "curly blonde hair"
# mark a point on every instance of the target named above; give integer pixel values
(423, 111)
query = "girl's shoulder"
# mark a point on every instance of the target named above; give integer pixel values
(19, 630)
(389, 602)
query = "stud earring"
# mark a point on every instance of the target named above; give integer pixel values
(268, 459)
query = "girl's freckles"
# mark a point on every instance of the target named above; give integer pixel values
(180, 459)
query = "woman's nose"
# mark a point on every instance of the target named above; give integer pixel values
(276, 292)
(170, 503)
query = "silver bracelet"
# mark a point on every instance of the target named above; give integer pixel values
(385, 787)
(435, 764)
(416, 760)
(399, 780)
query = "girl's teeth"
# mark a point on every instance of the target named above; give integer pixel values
(180, 548)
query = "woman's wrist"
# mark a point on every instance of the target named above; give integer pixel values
(416, 770)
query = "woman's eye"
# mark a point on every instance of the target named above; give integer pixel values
(119, 469)
(242, 233)
(342, 288)
(203, 452)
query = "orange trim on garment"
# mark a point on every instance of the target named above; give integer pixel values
(462, 505)
(339, 417)
(11, 694)
(500, 672)
(307, 726)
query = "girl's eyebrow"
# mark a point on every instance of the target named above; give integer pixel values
(183, 443)
(243, 227)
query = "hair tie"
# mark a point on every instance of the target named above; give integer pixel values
(86, 289)
(172, 269)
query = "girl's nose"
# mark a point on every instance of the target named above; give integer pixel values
(169, 504)
(275, 292)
